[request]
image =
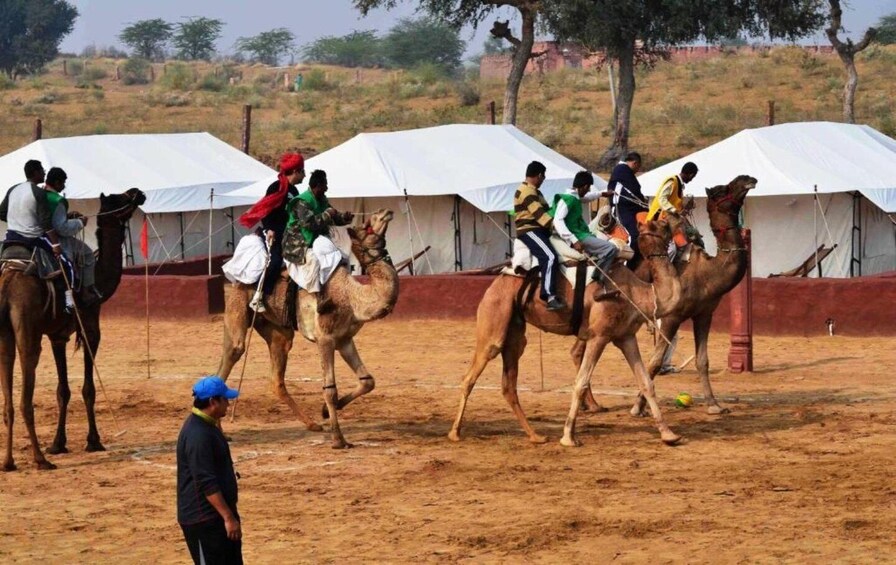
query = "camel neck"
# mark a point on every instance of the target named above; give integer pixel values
(109, 260)
(666, 285)
(376, 299)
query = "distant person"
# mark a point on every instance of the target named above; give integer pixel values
(206, 482)
(533, 228)
(629, 200)
(271, 212)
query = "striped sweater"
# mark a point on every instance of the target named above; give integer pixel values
(530, 209)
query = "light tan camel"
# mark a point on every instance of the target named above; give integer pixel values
(705, 280)
(501, 328)
(26, 315)
(352, 304)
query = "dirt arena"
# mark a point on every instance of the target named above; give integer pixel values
(800, 471)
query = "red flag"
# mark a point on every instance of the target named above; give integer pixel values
(144, 240)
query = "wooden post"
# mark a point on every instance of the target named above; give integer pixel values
(117, 72)
(286, 81)
(771, 113)
(490, 113)
(38, 130)
(740, 356)
(247, 127)
(65, 67)
(152, 74)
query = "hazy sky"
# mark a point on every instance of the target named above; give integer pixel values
(101, 21)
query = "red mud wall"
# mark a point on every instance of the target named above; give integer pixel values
(859, 307)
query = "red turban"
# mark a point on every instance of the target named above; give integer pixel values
(289, 162)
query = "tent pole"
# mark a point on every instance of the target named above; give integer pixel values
(856, 239)
(232, 232)
(183, 250)
(458, 251)
(815, 224)
(407, 206)
(211, 208)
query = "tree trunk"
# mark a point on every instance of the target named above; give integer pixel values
(625, 96)
(849, 89)
(520, 59)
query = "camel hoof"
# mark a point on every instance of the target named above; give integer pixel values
(570, 442)
(454, 435)
(670, 438)
(57, 449)
(341, 444)
(45, 466)
(637, 412)
(312, 427)
(535, 438)
(93, 447)
(9, 466)
(716, 410)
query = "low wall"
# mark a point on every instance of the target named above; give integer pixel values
(859, 307)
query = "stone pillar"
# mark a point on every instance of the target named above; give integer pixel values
(740, 356)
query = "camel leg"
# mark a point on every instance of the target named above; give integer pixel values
(594, 348)
(29, 346)
(629, 347)
(327, 350)
(366, 382)
(63, 395)
(514, 344)
(7, 359)
(702, 325)
(88, 391)
(279, 345)
(236, 329)
(589, 403)
(668, 328)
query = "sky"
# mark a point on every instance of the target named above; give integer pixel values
(101, 21)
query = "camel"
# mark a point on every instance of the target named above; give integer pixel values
(351, 305)
(501, 326)
(26, 313)
(705, 280)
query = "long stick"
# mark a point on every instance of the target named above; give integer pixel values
(146, 279)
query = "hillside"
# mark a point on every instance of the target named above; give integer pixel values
(679, 107)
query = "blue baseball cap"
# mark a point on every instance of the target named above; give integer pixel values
(208, 387)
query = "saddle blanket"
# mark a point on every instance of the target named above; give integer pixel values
(247, 264)
(523, 260)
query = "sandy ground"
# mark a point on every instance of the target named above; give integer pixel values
(800, 471)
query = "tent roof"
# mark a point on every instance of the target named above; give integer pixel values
(794, 158)
(482, 163)
(176, 171)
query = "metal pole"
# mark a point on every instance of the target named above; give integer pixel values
(211, 209)
(247, 127)
(183, 246)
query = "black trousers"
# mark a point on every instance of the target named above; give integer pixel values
(630, 224)
(209, 545)
(538, 242)
(274, 267)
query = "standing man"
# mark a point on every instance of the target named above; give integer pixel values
(533, 228)
(629, 200)
(271, 211)
(206, 482)
(570, 225)
(67, 227)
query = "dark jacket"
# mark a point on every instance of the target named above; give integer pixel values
(624, 176)
(308, 218)
(276, 220)
(204, 467)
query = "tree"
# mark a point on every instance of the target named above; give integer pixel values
(414, 42)
(268, 46)
(195, 39)
(357, 49)
(847, 52)
(632, 31)
(147, 37)
(886, 29)
(463, 12)
(30, 33)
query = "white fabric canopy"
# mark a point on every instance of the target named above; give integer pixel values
(484, 164)
(790, 159)
(176, 171)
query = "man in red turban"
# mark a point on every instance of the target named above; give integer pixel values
(271, 211)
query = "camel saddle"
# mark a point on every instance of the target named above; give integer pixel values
(32, 260)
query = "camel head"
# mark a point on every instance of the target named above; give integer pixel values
(654, 237)
(117, 209)
(369, 241)
(729, 198)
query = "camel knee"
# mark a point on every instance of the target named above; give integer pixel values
(331, 395)
(702, 366)
(281, 393)
(367, 384)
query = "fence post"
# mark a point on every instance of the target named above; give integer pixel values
(740, 356)
(65, 67)
(490, 113)
(152, 74)
(771, 113)
(247, 127)
(38, 130)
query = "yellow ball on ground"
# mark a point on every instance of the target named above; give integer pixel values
(684, 400)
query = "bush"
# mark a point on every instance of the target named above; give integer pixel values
(49, 97)
(6, 83)
(177, 76)
(74, 68)
(316, 79)
(468, 93)
(135, 71)
(95, 73)
(211, 83)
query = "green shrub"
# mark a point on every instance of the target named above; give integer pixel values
(316, 79)
(467, 93)
(74, 67)
(100, 129)
(95, 73)
(135, 71)
(6, 83)
(177, 76)
(49, 97)
(211, 83)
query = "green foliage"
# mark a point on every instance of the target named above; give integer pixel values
(147, 37)
(316, 79)
(6, 83)
(195, 39)
(886, 30)
(50, 97)
(357, 49)
(267, 47)
(468, 93)
(177, 76)
(94, 72)
(135, 71)
(75, 67)
(414, 42)
(30, 33)
(211, 83)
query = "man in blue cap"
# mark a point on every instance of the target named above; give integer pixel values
(206, 482)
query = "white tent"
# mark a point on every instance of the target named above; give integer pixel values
(853, 170)
(423, 174)
(180, 173)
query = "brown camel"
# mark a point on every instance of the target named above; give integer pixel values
(351, 305)
(705, 280)
(26, 314)
(501, 328)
